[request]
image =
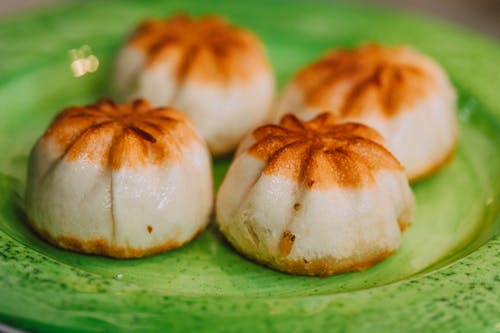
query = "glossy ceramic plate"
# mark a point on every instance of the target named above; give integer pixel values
(444, 278)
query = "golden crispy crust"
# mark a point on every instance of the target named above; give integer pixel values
(287, 241)
(319, 266)
(206, 49)
(131, 135)
(101, 246)
(322, 153)
(403, 225)
(329, 266)
(322, 267)
(352, 82)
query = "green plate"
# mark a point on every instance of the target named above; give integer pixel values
(444, 278)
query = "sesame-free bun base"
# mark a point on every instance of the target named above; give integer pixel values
(322, 267)
(101, 246)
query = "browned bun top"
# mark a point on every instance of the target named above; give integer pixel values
(321, 153)
(207, 48)
(350, 82)
(128, 135)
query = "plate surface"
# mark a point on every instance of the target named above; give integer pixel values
(444, 278)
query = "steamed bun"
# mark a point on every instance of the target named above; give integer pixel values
(401, 93)
(119, 180)
(215, 72)
(314, 197)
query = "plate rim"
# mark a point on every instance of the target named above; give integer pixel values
(464, 264)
